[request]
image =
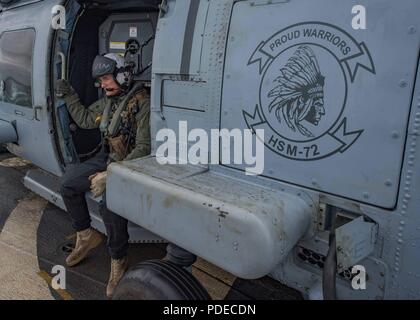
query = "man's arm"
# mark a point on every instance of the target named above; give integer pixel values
(142, 147)
(86, 118)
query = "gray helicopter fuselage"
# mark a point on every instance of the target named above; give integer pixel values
(339, 106)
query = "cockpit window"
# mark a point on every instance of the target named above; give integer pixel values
(16, 48)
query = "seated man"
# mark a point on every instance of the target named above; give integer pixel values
(123, 118)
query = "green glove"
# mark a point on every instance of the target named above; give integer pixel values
(63, 88)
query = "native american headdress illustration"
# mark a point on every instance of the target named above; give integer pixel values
(299, 84)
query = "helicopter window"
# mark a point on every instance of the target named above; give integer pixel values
(16, 67)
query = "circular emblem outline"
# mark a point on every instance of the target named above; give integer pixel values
(354, 57)
(345, 91)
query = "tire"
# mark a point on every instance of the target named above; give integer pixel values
(159, 280)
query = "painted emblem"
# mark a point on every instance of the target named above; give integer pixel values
(305, 72)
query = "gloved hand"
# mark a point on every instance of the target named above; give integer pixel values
(98, 183)
(63, 88)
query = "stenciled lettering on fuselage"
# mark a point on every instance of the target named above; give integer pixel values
(305, 73)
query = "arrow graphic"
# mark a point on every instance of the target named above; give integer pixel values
(260, 56)
(344, 137)
(362, 59)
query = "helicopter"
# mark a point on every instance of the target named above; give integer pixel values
(334, 87)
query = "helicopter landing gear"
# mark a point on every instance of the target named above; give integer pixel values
(159, 280)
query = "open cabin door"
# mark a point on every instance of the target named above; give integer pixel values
(25, 114)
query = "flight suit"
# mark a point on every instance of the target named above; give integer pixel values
(129, 118)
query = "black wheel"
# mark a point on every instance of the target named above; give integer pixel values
(159, 280)
(3, 148)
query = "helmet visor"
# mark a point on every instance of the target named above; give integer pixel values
(102, 66)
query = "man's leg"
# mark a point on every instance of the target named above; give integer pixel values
(117, 232)
(74, 184)
(117, 244)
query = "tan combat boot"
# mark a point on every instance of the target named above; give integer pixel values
(86, 240)
(118, 268)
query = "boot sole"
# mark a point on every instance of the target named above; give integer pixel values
(93, 246)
